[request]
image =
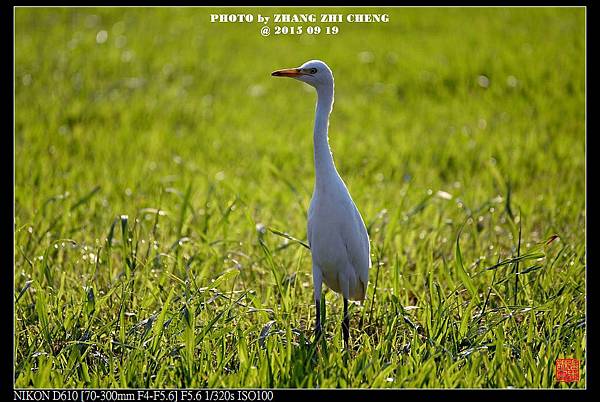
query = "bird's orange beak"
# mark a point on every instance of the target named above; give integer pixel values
(287, 72)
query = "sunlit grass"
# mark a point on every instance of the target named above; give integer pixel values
(157, 164)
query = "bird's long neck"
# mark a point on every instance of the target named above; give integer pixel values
(324, 166)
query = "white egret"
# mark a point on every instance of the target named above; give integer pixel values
(337, 235)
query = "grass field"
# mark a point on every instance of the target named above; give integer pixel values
(156, 160)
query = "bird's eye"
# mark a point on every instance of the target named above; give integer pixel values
(313, 70)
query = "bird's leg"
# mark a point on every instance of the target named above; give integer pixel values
(318, 322)
(346, 323)
(318, 282)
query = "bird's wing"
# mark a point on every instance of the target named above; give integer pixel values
(357, 245)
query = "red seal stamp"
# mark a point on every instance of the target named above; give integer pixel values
(567, 370)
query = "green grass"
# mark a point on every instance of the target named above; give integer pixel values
(150, 167)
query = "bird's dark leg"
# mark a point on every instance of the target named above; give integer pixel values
(346, 323)
(318, 322)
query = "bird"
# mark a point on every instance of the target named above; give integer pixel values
(337, 235)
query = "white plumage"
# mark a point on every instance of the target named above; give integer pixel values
(337, 235)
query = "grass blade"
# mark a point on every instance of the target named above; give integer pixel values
(460, 269)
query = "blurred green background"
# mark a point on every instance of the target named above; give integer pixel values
(440, 115)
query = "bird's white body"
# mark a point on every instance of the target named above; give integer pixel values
(337, 235)
(339, 241)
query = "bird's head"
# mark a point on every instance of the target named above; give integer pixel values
(314, 72)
